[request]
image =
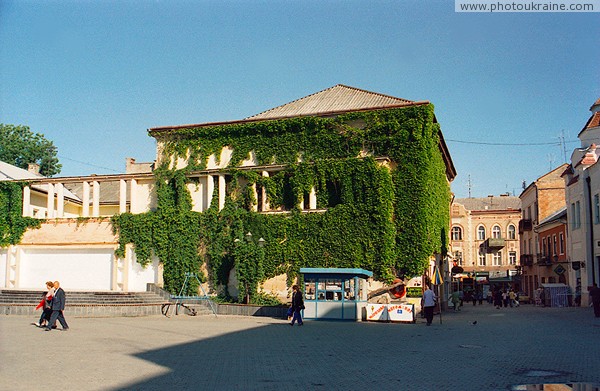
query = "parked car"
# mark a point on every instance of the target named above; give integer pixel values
(523, 298)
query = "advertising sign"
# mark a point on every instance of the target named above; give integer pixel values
(401, 312)
(377, 312)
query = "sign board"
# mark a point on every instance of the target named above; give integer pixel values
(414, 291)
(401, 312)
(377, 312)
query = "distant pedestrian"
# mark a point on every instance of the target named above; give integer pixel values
(512, 298)
(595, 296)
(428, 304)
(297, 305)
(498, 298)
(455, 299)
(58, 306)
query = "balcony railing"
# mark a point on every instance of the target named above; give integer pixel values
(526, 259)
(525, 225)
(495, 242)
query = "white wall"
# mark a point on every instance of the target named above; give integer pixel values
(76, 269)
(3, 258)
(139, 276)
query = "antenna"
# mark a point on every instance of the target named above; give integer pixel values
(469, 185)
(564, 145)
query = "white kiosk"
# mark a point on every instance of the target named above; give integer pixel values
(334, 293)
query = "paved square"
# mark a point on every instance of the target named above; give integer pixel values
(506, 347)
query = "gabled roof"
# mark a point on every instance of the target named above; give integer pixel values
(556, 216)
(339, 98)
(9, 172)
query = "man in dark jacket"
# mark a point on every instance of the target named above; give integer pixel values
(57, 306)
(297, 305)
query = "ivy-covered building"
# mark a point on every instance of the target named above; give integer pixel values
(340, 178)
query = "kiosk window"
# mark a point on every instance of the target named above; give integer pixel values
(309, 289)
(349, 290)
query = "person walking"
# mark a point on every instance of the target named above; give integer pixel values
(455, 301)
(512, 298)
(297, 305)
(498, 298)
(45, 305)
(595, 296)
(428, 304)
(57, 306)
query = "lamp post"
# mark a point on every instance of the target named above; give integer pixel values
(246, 254)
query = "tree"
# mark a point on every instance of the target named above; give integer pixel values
(19, 146)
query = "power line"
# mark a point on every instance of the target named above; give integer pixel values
(88, 164)
(556, 143)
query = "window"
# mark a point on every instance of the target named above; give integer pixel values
(512, 232)
(456, 233)
(512, 258)
(597, 209)
(496, 232)
(561, 242)
(543, 247)
(481, 232)
(458, 258)
(554, 245)
(497, 258)
(481, 258)
(576, 219)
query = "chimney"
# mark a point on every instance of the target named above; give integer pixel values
(33, 168)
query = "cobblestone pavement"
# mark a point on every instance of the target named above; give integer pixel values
(506, 347)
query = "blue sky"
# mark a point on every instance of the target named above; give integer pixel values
(93, 76)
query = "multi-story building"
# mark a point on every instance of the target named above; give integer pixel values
(540, 230)
(307, 161)
(485, 238)
(582, 179)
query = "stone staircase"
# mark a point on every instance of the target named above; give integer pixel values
(101, 304)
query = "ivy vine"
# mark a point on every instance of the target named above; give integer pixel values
(388, 220)
(12, 223)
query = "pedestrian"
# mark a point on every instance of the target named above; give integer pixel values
(595, 296)
(505, 298)
(455, 301)
(480, 297)
(297, 305)
(45, 305)
(498, 298)
(58, 306)
(511, 298)
(428, 304)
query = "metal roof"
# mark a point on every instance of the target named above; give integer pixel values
(490, 203)
(338, 98)
(328, 271)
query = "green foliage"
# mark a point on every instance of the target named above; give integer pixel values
(386, 219)
(19, 147)
(12, 223)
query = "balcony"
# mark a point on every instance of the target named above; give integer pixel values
(495, 242)
(526, 260)
(525, 225)
(545, 261)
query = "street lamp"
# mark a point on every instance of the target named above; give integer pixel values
(260, 255)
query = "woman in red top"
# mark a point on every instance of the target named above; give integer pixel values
(45, 305)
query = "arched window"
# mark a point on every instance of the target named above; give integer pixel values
(481, 232)
(496, 232)
(512, 232)
(457, 233)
